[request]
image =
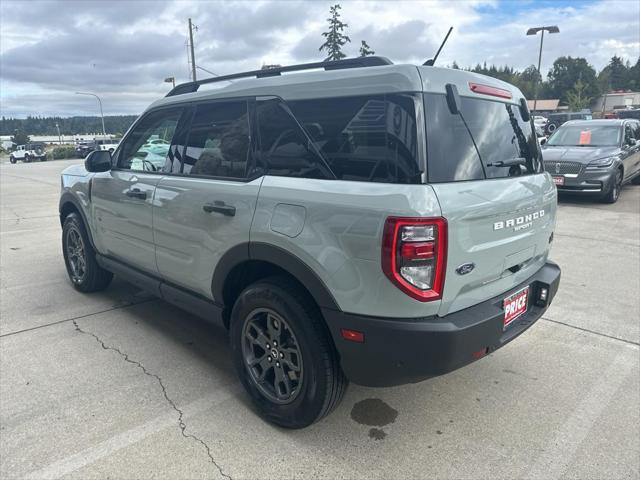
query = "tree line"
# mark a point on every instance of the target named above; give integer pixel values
(38, 125)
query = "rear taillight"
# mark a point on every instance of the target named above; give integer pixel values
(414, 253)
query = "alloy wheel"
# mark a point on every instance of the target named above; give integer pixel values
(76, 254)
(617, 185)
(272, 355)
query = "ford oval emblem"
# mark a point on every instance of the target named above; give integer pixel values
(465, 268)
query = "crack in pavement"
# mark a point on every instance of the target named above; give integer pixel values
(181, 423)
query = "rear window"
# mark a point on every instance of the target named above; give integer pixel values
(498, 130)
(364, 138)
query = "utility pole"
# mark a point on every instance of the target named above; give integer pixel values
(193, 58)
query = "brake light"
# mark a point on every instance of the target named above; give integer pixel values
(487, 90)
(414, 253)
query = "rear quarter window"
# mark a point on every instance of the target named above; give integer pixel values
(369, 138)
(498, 130)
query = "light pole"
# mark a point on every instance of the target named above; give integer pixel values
(104, 132)
(534, 31)
(59, 137)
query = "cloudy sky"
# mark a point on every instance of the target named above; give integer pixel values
(122, 50)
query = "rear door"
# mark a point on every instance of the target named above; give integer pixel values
(207, 207)
(500, 218)
(122, 199)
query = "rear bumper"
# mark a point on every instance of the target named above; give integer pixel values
(400, 351)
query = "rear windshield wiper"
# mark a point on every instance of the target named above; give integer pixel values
(509, 163)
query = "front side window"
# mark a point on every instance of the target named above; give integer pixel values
(629, 137)
(146, 148)
(285, 150)
(487, 139)
(364, 138)
(218, 142)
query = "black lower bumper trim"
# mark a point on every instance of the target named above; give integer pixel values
(400, 351)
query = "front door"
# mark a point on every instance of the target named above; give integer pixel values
(208, 209)
(122, 199)
(631, 150)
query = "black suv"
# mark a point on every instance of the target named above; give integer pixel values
(554, 120)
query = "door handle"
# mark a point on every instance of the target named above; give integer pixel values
(220, 207)
(136, 193)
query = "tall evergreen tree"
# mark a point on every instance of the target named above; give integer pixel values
(618, 73)
(634, 77)
(365, 49)
(335, 38)
(577, 99)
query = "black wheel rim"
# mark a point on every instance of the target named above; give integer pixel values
(272, 356)
(76, 255)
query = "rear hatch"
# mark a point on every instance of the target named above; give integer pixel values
(500, 216)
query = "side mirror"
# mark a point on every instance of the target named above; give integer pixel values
(98, 161)
(543, 141)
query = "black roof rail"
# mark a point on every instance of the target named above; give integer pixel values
(371, 61)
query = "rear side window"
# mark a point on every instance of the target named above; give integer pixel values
(364, 138)
(285, 149)
(218, 141)
(498, 130)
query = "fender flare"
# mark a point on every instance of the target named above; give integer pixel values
(281, 258)
(68, 197)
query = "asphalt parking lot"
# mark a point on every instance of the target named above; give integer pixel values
(121, 385)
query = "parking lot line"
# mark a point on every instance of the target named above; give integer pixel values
(553, 462)
(129, 437)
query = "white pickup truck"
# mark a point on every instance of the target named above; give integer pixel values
(30, 152)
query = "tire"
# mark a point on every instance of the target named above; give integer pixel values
(308, 363)
(613, 193)
(27, 158)
(12, 159)
(43, 159)
(80, 258)
(551, 127)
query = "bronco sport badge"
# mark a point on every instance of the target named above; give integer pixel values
(519, 223)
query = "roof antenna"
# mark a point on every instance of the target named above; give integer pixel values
(429, 63)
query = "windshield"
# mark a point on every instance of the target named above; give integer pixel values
(586, 136)
(495, 142)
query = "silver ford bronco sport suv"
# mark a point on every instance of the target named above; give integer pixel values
(359, 221)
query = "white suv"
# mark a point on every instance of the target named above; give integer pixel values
(29, 153)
